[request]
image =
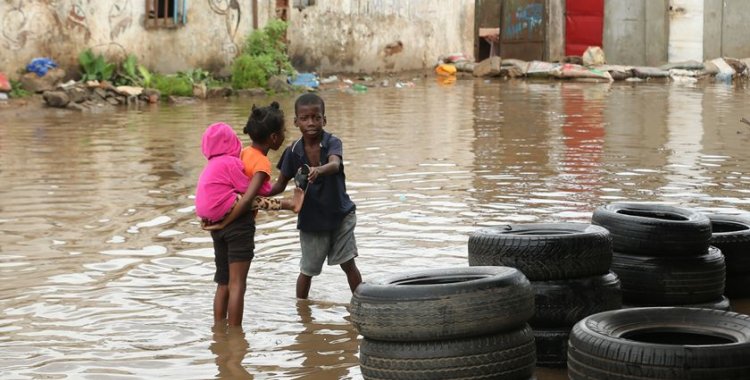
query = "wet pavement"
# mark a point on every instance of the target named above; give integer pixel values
(105, 273)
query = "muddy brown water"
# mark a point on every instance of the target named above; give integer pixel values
(104, 272)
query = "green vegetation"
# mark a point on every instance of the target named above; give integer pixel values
(95, 67)
(16, 90)
(172, 85)
(131, 73)
(197, 76)
(263, 56)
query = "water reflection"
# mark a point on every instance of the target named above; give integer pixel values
(230, 347)
(328, 349)
(105, 272)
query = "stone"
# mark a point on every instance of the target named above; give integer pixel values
(151, 95)
(278, 84)
(593, 56)
(219, 92)
(107, 86)
(737, 65)
(490, 67)
(181, 99)
(251, 92)
(200, 90)
(78, 94)
(57, 99)
(101, 93)
(34, 83)
(129, 90)
(77, 107)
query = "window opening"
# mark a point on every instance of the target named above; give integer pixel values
(166, 13)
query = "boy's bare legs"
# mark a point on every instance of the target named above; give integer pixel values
(237, 285)
(221, 299)
(352, 274)
(303, 286)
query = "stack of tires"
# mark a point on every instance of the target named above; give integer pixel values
(568, 266)
(662, 255)
(661, 343)
(467, 323)
(731, 234)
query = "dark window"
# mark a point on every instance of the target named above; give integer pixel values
(165, 13)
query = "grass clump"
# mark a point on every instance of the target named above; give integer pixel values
(172, 85)
(17, 90)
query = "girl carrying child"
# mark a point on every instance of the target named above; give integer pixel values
(225, 187)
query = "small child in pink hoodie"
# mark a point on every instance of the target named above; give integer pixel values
(220, 184)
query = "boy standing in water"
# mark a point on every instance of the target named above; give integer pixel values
(327, 219)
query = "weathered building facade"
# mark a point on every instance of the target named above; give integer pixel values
(631, 32)
(652, 32)
(379, 35)
(176, 35)
(182, 35)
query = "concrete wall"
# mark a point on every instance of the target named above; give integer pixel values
(636, 32)
(60, 29)
(555, 33)
(726, 29)
(379, 35)
(712, 16)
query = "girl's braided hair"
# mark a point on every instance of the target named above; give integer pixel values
(264, 121)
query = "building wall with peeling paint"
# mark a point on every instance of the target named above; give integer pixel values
(372, 36)
(60, 29)
(337, 35)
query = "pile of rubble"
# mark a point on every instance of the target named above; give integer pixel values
(94, 94)
(592, 67)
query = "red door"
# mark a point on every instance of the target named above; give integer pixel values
(584, 23)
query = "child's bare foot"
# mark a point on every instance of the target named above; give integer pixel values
(297, 199)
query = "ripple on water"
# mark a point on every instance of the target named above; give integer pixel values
(435, 164)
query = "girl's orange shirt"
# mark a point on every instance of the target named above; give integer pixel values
(254, 161)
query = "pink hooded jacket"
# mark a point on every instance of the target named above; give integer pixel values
(223, 177)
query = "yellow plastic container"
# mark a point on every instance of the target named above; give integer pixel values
(445, 69)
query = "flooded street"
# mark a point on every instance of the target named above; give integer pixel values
(105, 272)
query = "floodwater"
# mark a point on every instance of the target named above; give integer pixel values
(105, 274)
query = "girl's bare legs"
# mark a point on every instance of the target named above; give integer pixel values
(237, 285)
(221, 299)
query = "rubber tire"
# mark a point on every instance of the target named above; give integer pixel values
(544, 251)
(605, 345)
(738, 285)
(563, 303)
(442, 304)
(670, 280)
(731, 234)
(718, 304)
(652, 229)
(551, 347)
(508, 355)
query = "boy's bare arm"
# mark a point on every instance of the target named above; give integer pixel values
(279, 186)
(332, 167)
